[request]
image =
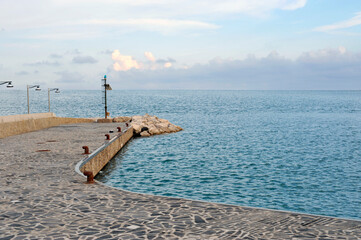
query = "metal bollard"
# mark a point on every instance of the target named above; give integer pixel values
(107, 137)
(89, 176)
(86, 150)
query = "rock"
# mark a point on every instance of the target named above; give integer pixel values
(137, 128)
(163, 121)
(172, 128)
(122, 119)
(152, 125)
(137, 118)
(154, 131)
(144, 129)
(145, 134)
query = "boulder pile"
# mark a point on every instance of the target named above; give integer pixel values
(122, 119)
(147, 125)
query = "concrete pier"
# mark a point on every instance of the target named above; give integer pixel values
(43, 197)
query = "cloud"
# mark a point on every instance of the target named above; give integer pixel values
(84, 59)
(73, 52)
(69, 77)
(293, 5)
(329, 54)
(123, 63)
(153, 24)
(325, 69)
(106, 52)
(21, 73)
(43, 63)
(149, 56)
(54, 55)
(195, 7)
(139, 14)
(162, 61)
(167, 65)
(355, 21)
(68, 34)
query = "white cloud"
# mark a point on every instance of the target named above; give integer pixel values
(195, 7)
(149, 56)
(153, 24)
(356, 20)
(168, 65)
(179, 14)
(123, 63)
(293, 5)
(342, 49)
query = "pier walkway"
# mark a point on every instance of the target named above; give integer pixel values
(42, 197)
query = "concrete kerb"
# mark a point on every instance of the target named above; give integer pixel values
(19, 124)
(24, 117)
(110, 153)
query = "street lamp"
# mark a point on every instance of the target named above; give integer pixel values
(105, 88)
(37, 88)
(52, 89)
(8, 82)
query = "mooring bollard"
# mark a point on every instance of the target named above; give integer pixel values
(126, 124)
(119, 129)
(107, 137)
(89, 176)
(86, 150)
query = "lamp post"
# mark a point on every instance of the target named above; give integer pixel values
(37, 88)
(105, 88)
(52, 89)
(8, 82)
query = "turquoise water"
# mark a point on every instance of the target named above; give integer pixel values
(287, 150)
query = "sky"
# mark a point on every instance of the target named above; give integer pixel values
(182, 44)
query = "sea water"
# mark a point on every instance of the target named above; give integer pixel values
(287, 150)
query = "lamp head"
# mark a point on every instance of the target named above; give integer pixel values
(37, 88)
(9, 85)
(57, 91)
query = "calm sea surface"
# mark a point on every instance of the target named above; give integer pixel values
(288, 150)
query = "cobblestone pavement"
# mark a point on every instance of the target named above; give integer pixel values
(42, 197)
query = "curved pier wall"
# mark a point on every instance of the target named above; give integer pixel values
(18, 124)
(100, 157)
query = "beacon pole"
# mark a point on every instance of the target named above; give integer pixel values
(106, 88)
(105, 96)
